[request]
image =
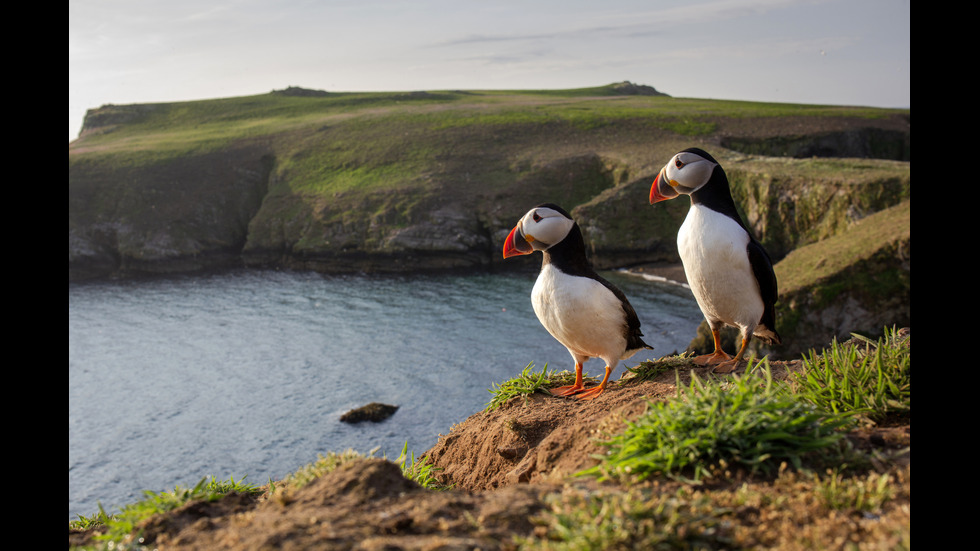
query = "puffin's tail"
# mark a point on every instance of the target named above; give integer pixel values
(634, 345)
(769, 335)
(766, 330)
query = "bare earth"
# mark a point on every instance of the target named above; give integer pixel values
(503, 466)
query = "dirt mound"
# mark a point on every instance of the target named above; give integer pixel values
(546, 438)
(542, 439)
(366, 504)
(357, 483)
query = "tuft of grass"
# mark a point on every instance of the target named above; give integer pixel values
(420, 470)
(120, 527)
(308, 473)
(749, 422)
(865, 494)
(869, 378)
(651, 369)
(87, 523)
(528, 383)
(634, 519)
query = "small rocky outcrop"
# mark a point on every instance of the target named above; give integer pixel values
(296, 91)
(627, 88)
(374, 412)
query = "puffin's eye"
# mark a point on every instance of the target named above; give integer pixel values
(678, 163)
(536, 217)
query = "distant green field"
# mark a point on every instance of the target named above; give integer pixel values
(149, 132)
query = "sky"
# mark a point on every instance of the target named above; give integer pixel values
(837, 52)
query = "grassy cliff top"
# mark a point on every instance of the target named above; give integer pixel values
(825, 258)
(166, 129)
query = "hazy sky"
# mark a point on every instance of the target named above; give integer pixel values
(849, 52)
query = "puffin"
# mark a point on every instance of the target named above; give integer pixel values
(588, 315)
(729, 271)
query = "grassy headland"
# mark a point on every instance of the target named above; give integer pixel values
(423, 180)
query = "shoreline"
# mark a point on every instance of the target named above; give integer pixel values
(661, 271)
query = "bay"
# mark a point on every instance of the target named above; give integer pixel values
(247, 373)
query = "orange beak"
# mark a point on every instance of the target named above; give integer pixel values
(515, 244)
(661, 190)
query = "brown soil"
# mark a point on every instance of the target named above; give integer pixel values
(542, 440)
(503, 466)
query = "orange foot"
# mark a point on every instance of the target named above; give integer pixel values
(715, 358)
(573, 388)
(731, 365)
(726, 367)
(568, 390)
(590, 394)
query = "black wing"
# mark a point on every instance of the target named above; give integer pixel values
(631, 331)
(764, 274)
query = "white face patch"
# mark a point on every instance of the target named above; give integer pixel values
(687, 172)
(543, 227)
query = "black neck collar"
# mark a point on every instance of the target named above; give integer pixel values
(717, 196)
(569, 255)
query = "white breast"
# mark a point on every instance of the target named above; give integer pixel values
(580, 313)
(713, 249)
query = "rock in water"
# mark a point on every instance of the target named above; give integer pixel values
(374, 412)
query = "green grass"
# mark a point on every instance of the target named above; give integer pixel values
(122, 526)
(528, 383)
(690, 127)
(147, 131)
(865, 493)
(144, 133)
(87, 523)
(308, 473)
(651, 369)
(749, 422)
(829, 196)
(419, 469)
(869, 378)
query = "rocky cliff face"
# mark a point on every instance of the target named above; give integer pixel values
(431, 223)
(169, 217)
(233, 208)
